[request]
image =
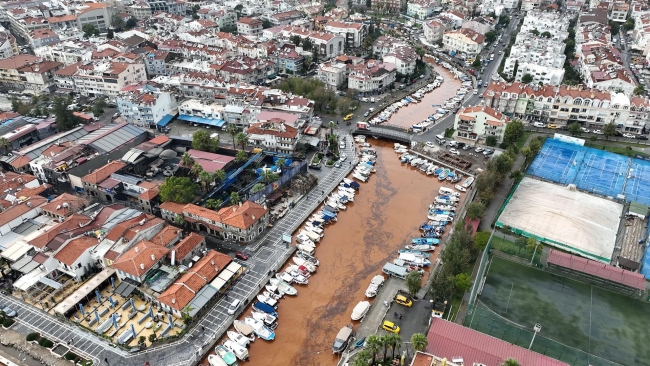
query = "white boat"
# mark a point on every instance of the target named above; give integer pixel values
(311, 235)
(240, 351)
(301, 262)
(443, 207)
(347, 191)
(303, 271)
(284, 276)
(375, 284)
(260, 329)
(304, 239)
(468, 182)
(360, 310)
(307, 249)
(238, 338)
(421, 247)
(347, 181)
(298, 278)
(310, 244)
(314, 229)
(267, 300)
(286, 288)
(336, 204)
(309, 258)
(414, 259)
(215, 360)
(460, 188)
(359, 177)
(244, 329)
(268, 319)
(274, 290)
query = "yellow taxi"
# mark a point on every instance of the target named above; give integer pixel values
(552, 126)
(390, 326)
(348, 117)
(403, 300)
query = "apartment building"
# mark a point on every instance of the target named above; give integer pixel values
(354, 33)
(276, 133)
(66, 52)
(404, 58)
(479, 122)
(421, 9)
(388, 6)
(42, 37)
(8, 45)
(463, 40)
(372, 77)
(434, 29)
(332, 73)
(480, 24)
(618, 12)
(542, 58)
(563, 105)
(328, 45)
(156, 62)
(602, 67)
(99, 78)
(249, 26)
(27, 72)
(145, 104)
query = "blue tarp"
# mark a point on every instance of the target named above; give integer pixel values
(165, 120)
(205, 121)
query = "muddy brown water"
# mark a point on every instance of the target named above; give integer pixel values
(408, 116)
(386, 214)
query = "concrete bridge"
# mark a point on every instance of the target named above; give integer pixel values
(387, 131)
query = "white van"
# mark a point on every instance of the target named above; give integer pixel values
(440, 138)
(234, 305)
(539, 124)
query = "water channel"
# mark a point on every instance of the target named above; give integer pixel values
(386, 214)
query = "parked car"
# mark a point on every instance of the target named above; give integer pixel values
(234, 305)
(403, 300)
(628, 135)
(539, 124)
(479, 149)
(390, 326)
(343, 157)
(553, 126)
(642, 137)
(429, 144)
(598, 132)
(9, 312)
(467, 147)
(241, 255)
(454, 151)
(348, 117)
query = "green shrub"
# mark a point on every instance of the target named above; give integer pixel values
(70, 356)
(44, 342)
(7, 323)
(32, 337)
(86, 363)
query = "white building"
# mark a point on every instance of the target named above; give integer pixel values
(421, 9)
(619, 11)
(145, 105)
(354, 33)
(249, 27)
(404, 58)
(374, 76)
(275, 133)
(99, 78)
(332, 73)
(8, 45)
(478, 122)
(463, 40)
(66, 52)
(542, 58)
(435, 29)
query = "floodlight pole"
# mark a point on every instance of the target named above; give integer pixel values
(537, 328)
(534, 252)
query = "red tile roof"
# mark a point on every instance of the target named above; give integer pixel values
(16, 211)
(174, 207)
(597, 269)
(103, 172)
(138, 260)
(20, 162)
(149, 194)
(450, 340)
(71, 251)
(243, 216)
(111, 255)
(210, 162)
(72, 222)
(183, 291)
(186, 245)
(158, 140)
(166, 235)
(75, 203)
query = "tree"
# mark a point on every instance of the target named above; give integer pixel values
(373, 345)
(4, 144)
(152, 338)
(202, 141)
(268, 176)
(266, 24)
(205, 178)
(307, 44)
(419, 341)
(639, 90)
(575, 129)
(490, 36)
(178, 189)
(234, 198)
(514, 131)
(363, 358)
(502, 165)
(413, 282)
(213, 203)
(232, 130)
(481, 239)
(187, 160)
(131, 23)
(257, 187)
(609, 130)
(117, 22)
(110, 34)
(475, 210)
(463, 282)
(15, 105)
(527, 79)
(510, 362)
(504, 19)
(535, 32)
(343, 105)
(394, 342)
(219, 176)
(629, 24)
(281, 163)
(89, 30)
(241, 156)
(477, 62)
(65, 120)
(614, 27)
(242, 139)
(196, 170)
(98, 106)
(295, 39)
(491, 141)
(546, 34)
(239, 8)
(521, 242)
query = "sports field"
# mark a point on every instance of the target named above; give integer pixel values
(581, 324)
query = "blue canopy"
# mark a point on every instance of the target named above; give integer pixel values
(265, 308)
(205, 121)
(165, 120)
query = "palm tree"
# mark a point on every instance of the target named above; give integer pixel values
(206, 178)
(196, 170)
(234, 198)
(213, 203)
(510, 362)
(419, 342)
(257, 187)
(241, 156)
(363, 358)
(281, 163)
(395, 343)
(232, 130)
(242, 139)
(4, 144)
(187, 160)
(268, 176)
(383, 340)
(219, 175)
(331, 126)
(373, 345)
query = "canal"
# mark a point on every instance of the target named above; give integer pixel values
(386, 214)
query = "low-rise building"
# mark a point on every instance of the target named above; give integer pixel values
(146, 105)
(479, 122)
(276, 133)
(619, 11)
(156, 62)
(332, 73)
(136, 262)
(27, 72)
(435, 29)
(99, 78)
(289, 61)
(404, 58)
(354, 33)
(249, 26)
(463, 40)
(42, 37)
(421, 9)
(372, 77)
(8, 45)
(66, 52)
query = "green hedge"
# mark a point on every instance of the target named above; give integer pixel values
(32, 337)
(7, 323)
(44, 342)
(70, 356)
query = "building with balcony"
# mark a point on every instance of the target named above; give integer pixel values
(421, 9)
(332, 73)
(372, 77)
(618, 12)
(434, 29)
(274, 131)
(354, 33)
(27, 72)
(42, 37)
(479, 122)
(99, 78)
(249, 26)
(463, 40)
(66, 52)
(404, 58)
(289, 61)
(8, 45)
(145, 105)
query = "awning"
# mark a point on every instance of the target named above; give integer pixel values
(50, 282)
(71, 301)
(25, 265)
(16, 251)
(30, 279)
(218, 283)
(165, 120)
(125, 288)
(201, 299)
(205, 121)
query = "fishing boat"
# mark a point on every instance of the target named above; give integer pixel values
(354, 185)
(310, 246)
(311, 235)
(416, 252)
(267, 300)
(421, 247)
(238, 338)
(336, 204)
(240, 352)
(360, 177)
(374, 286)
(298, 277)
(468, 182)
(414, 260)
(244, 329)
(286, 288)
(460, 188)
(331, 208)
(227, 356)
(274, 290)
(260, 329)
(360, 310)
(347, 191)
(215, 360)
(424, 241)
(314, 229)
(265, 308)
(443, 174)
(304, 238)
(306, 249)
(405, 158)
(283, 276)
(301, 262)
(443, 207)
(268, 319)
(360, 343)
(309, 258)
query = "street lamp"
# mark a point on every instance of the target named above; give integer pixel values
(536, 328)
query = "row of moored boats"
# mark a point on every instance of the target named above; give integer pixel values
(415, 97)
